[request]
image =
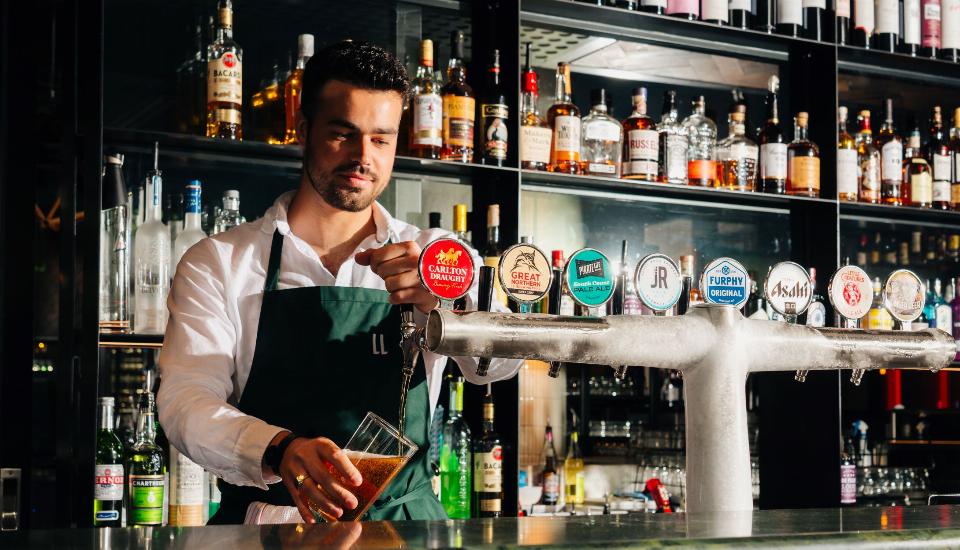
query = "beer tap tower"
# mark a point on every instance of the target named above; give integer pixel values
(714, 346)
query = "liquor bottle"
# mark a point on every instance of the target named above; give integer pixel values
(887, 37)
(841, 10)
(641, 143)
(930, 28)
(715, 11)
(549, 477)
(573, 470)
(455, 467)
(188, 487)
(878, 318)
(737, 155)
(938, 156)
(955, 313)
(790, 16)
(911, 27)
(494, 117)
(943, 315)
(459, 106)
(146, 470)
(229, 217)
(863, 23)
(816, 314)
(955, 155)
(848, 475)
(564, 304)
(814, 19)
(765, 19)
(460, 222)
(293, 87)
(929, 315)
(192, 232)
(114, 243)
(684, 9)
(916, 248)
(601, 139)
(773, 146)
(672, 139)
(256, 127)
(126, 419)
(891, 159)
(535, 133)
(868, 159)
(174, 220)
(917, 174)
(108, 484)
(488, 466)
(847, 167)
(224, 79)
(950, 30)
(152, 260)
(426, 108)
(741, 14)
(564, 119)
(191, 103)
(701, 135)
(803, 161)
(756, 306)
(492, 250)
(275, 118)
(688, 270)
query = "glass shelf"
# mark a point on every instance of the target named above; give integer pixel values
(121, 341)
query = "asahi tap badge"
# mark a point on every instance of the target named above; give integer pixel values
(658, 282)
(725, 281)
(851, 294)
(589, 277)
(787, 289)
(446, 269)
(903, 295)
(525, 273)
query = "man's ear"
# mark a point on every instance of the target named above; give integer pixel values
(303, 127)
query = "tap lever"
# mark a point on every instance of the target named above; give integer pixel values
(620, 372)
(856, 376)
(409, 342)
(484, 303)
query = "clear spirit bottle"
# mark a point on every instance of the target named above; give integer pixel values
(192, 232)
(737, 155)
(602, 139)
(152, 261)
(701, 144)
(229, 217)
(114, 243)
(673, 143)
(224, 79)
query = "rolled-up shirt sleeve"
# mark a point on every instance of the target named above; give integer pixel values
(197, 368)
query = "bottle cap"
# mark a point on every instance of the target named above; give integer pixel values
(493, 215)
(639, 94)
(231, 194)
(842, 113)
(434, 219)
(557, 257)
(459, 218)
(106, 401)
(456, 44)
(426, 52)
(802, 118)
(305, 45)
(865, 113)
(598, 96)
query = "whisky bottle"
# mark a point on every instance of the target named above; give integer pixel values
(955, 155)
(911, 28)
(672, 140)
(494, 117)
(492, 250)
(459, 106)
(790, 17)
(803, 161)
(701, 144)
(891, 159)
(938, 156)
(145, 469)
(549, 476)
(930, 28)
(863, 23)
(847, 167)
(535, 133)
(108, 484)
(887, 34)
(564, 119)
(773, 145)
(868, 160)
(293, 87)
(737, 155)
(426, 108)
(641, 143)
(224, 79)
(917, 174)
(455, 467)
(488, 466)
(601, 139)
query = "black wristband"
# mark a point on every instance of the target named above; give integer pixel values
(274, 454)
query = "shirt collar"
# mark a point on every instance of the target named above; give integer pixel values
(276, 218)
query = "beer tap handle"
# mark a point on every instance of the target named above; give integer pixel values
(409, 345)
(484, 303)
(553, 308)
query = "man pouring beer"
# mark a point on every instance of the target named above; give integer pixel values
(284, 332)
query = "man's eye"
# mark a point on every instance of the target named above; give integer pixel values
(381, 142)
(340, 136)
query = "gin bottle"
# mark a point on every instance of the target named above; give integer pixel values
(701, 144)
(602, 139)
(152, 261)
(673, 143)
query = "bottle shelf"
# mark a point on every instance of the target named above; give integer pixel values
(894, 214)
(120, 341)
(897, 65)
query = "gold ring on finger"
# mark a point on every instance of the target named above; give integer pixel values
(298, 481)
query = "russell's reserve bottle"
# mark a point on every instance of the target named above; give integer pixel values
(640, 141)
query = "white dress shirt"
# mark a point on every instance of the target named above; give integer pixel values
(209, 344)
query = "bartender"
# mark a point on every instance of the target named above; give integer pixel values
(284, 332)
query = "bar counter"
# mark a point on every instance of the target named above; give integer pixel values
(880, 527)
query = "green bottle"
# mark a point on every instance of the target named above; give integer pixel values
(108, 471)
(145, 469)
(455, 467)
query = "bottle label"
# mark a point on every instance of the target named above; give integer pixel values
(930, 24)
(551, 487)
(863, 16)
(847, 171)
(225, 79)
(427, 120)
(488, 470)
(702, 172)
(955, 193)
(683, 6)
(892, 161)
(888, 16)
(188, 486)
(911, 22)
(495, 134)
(773, 161)
(642, 149)
(108, 484)
(192, 203)
(566, 138)
(458, 118)
(601, 131)
(715, 10)
(601, 169)
(944, 318)
(941, 167)
(848, 484)
(921, 188)
(842, 7)
(804, 174)
(879, 319)
(676, 158)
(950, 24)
(870, 177)
(941, 191)
(146, 500)
(789, 12)
(820, 4)
(535, 144)
(654, 3)
(744, 5)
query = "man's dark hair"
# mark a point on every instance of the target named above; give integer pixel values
(357, 63)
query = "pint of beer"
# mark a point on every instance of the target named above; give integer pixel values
(379, 452)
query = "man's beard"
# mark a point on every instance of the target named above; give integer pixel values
(340, 196)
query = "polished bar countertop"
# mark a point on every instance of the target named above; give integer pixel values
(881, 527)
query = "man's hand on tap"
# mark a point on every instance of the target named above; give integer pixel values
(397, 265)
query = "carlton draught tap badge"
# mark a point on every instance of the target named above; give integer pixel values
(525, 273)
(446, 269)
(787, 288)
(658, 282)
(851, 292)
(589, 277)
(724, 281)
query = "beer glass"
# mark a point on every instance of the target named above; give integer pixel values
(379, 452)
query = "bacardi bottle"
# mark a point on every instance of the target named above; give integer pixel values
(224, 79)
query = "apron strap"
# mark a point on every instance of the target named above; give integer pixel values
(421, 490)
(273, 267)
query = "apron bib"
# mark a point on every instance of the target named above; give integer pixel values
(325, 356)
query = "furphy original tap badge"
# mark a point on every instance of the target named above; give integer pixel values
(658, 282)
(724, 281)
(788, 288)
(446, 269)
(851, 292)
(589, 277)
(525, 273)
(903, 295)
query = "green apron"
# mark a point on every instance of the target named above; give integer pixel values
(325, 356)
